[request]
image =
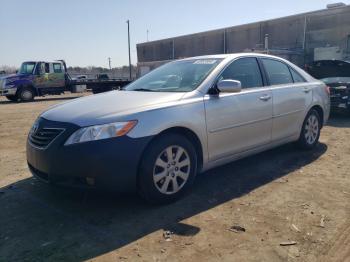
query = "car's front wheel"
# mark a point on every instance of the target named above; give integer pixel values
(26, 94)
(311, 129)
(168, 169)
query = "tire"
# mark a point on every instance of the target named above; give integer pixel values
(96, 91)
(161, 180)
(310, 132)
(101, 90)
(12, 98)
(26, 94)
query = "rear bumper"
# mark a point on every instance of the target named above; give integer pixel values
(108, 164)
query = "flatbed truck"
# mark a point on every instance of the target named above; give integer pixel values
(40, 78)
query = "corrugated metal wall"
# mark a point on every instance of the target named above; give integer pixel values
(330, 27)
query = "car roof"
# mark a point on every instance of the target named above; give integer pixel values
(54, 61)
(232, 56)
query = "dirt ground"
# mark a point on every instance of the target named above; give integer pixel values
(277, 196)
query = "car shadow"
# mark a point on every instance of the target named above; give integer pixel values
(43, 223)
(339, 119)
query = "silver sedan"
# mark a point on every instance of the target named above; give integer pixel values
(183, 118)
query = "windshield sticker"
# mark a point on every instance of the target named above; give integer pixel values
(205, 62)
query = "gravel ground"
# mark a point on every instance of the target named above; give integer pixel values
(283, 196)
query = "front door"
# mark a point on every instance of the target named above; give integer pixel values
(237, 122)
(41, 77)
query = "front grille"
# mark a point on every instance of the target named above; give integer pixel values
(43, 137)
(336, 99)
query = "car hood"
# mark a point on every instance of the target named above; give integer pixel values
(108, 107)
(11, 79)
(336, 80)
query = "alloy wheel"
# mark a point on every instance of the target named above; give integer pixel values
(171, 169)
(311, 129)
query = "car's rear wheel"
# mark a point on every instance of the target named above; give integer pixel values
(310, 132)
(168, 169)
(12, 98)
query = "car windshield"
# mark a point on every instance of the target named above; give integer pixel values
(178, 76)
(27, 68)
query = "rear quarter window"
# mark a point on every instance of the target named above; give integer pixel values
(296, 76)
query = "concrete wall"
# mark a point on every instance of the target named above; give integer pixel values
(294, 37)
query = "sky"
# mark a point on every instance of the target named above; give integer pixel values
(87, 32)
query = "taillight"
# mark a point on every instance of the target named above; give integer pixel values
(328, 90)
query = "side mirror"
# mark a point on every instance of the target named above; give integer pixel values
(229, 86)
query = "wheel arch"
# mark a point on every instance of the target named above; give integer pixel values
(27, 86)
(190, 135)
(319, 110)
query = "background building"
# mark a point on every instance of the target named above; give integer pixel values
(302, 38)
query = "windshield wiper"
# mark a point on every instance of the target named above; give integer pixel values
(142, 89)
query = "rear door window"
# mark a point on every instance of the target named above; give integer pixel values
(57, 68)
(277, 72)
(246, 70)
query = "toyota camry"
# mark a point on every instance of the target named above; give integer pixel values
(180, 119)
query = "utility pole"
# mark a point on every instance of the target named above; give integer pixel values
(147, 34)
(266, 43)
(109, 62)
(128, 22)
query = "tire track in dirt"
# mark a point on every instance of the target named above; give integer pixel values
(339, 251)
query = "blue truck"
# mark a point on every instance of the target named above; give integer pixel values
(40, 78)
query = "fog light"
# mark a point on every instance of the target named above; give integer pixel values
(90, 181)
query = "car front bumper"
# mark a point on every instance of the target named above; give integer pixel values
(8, 92)
(109, 164)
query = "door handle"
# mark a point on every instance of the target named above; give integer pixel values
(306, 90)
(265, 98)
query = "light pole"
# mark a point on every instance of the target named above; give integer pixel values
(109, 62)
(128, 22)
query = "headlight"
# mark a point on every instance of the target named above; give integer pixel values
(8, 86)
(93, 133)
(2, 83)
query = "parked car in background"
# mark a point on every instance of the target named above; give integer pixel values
(183, 118)
(336, 74)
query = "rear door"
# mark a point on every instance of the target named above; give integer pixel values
(237, 122)
(292, 95)
(57, 75)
